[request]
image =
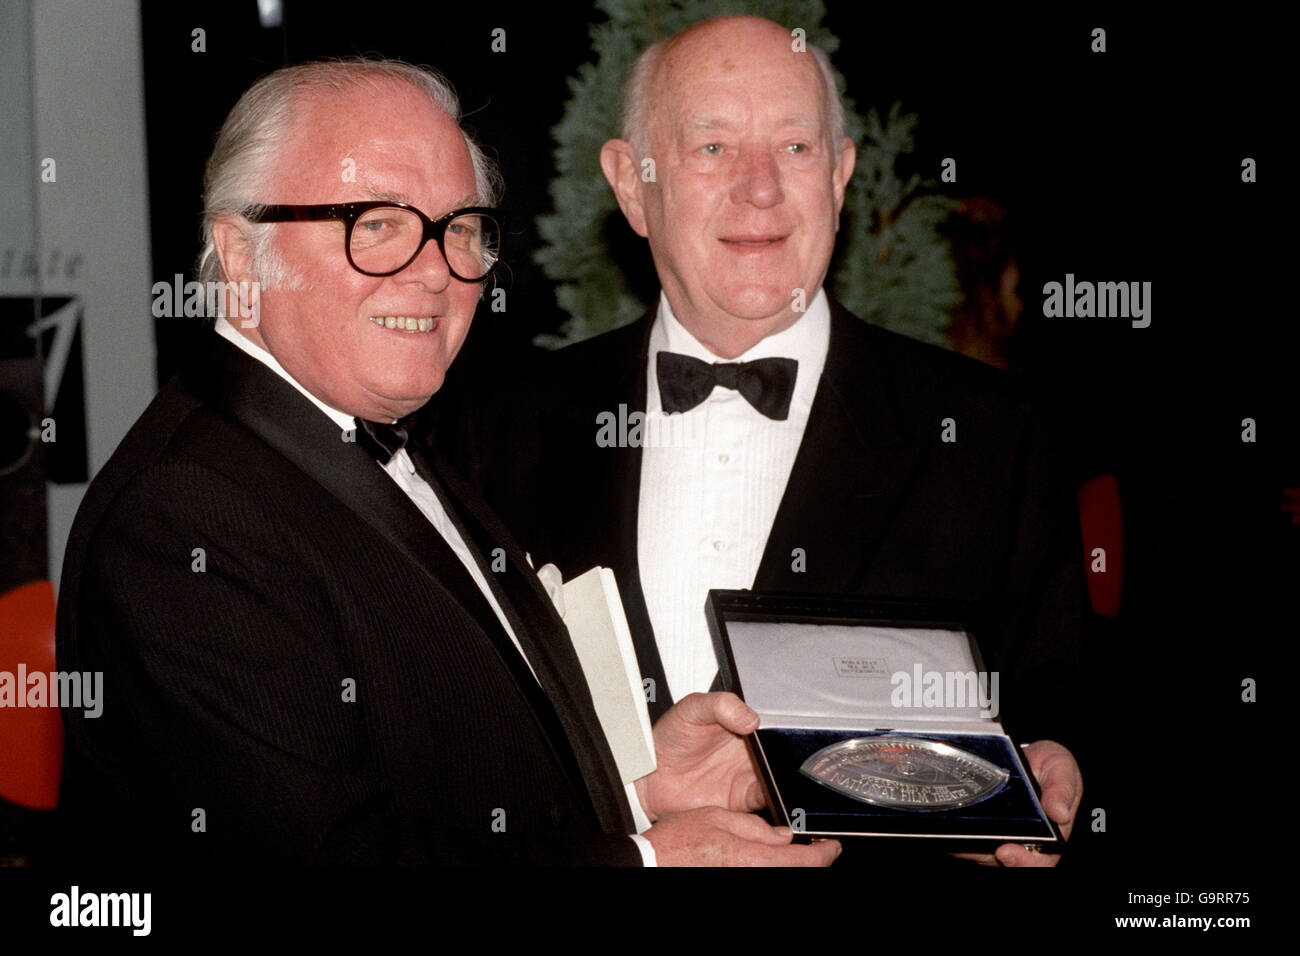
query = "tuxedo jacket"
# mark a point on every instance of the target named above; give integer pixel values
(878, 503)
(297, 667)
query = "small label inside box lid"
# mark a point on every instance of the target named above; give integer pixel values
(861, 666)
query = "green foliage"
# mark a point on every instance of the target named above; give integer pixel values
(894, 268)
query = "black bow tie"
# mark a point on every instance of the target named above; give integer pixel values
(767, 384)
(382, 441)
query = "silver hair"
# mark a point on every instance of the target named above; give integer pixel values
(635, 118)
(243, 159)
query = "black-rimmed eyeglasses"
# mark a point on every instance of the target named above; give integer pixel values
(383, 238)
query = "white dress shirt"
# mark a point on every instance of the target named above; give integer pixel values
(401, 469)
(712, 479)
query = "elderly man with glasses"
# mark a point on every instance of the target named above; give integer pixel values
(307, 655)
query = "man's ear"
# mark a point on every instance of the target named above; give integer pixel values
(843, 172)
(619, 162)
(234, 251)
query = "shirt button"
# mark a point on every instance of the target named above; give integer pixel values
(724, 458)
(719, 546)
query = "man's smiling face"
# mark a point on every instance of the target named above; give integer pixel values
(377, 140)
(748, 185)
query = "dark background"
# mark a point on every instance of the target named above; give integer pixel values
(1117, 166)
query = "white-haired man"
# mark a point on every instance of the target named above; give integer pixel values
(786, 446)
(306, 653)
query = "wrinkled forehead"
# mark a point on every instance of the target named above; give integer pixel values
(719, 82)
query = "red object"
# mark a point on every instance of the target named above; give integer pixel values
(1292, 505)
(1102, 523)
(31, 738)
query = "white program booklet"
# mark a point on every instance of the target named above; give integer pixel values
(594, 614)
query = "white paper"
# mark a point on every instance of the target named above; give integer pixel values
(594, 614)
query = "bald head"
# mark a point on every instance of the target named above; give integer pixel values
(650, 81)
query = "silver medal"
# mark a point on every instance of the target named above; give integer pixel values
(905, 773)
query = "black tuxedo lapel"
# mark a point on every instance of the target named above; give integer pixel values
(277, 413)
(563, 701)
(853, 463)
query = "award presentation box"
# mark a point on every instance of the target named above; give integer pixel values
(877, 720)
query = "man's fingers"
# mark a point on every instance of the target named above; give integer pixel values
(1057, 773)
(1013, 854)
(712, 836)
(1058, 799)
(749, 827)
(1062, 810)
(825, 852)
(734, 714)
(819, 853)
(724, 709)
(983, 859)
(1058, 779)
